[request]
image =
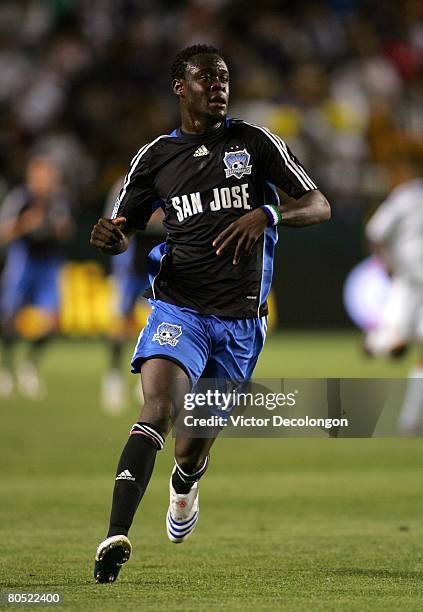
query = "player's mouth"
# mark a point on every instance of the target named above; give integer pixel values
(218, 101)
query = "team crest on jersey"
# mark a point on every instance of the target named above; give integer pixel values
(236, 163)
(167, 334)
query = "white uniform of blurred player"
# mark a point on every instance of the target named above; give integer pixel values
(396, 233)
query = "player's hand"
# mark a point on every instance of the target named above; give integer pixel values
(107, 235)
(244, 232)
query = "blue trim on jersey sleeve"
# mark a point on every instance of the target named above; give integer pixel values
(174, 133)
(270, 240)
(271, 194)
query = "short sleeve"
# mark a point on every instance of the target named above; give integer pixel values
(281, 167)
(137, 196)
(112, 196)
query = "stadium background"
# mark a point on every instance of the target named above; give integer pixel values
(341, 82)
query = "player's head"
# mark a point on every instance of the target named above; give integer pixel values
(200, 79)
(43, 175)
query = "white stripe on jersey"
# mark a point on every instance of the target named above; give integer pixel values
(134, 163)
(299, 172)
(299, 168)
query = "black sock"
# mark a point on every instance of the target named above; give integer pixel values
(116, 347)
(133, 475)
(182, 482)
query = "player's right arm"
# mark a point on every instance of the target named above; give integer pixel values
(132, 209)
(109, 235)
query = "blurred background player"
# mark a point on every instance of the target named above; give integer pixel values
(35, 221)
(395, 233)
(130, 275)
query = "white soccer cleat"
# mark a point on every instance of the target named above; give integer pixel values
(30, 384)
(113, 393)
(6, 382)
(183, 514)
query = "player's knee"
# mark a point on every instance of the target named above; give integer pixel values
(157, 410)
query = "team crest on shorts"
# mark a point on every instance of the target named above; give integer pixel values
(236, 163)
(167, 333)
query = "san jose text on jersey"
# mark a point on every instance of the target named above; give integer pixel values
(205, 182)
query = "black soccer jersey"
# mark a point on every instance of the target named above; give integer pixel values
(205, 182)
(136, 257)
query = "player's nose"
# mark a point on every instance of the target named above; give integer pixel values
(217, 85)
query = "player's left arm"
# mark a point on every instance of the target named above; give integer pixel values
(310, 209)
(307, 205)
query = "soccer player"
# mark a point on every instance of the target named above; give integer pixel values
(130, 273)
(215, 176)
(395, 233)
(35, 221)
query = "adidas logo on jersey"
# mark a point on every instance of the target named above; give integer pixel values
(203, 150)
(125, 475)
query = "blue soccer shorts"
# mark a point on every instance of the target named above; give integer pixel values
(29, 280)
(202, 345)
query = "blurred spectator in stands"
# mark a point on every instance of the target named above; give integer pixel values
(90, 79)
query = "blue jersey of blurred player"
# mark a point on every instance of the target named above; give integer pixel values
(130, 274)
(35, 221)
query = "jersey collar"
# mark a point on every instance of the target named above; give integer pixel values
(204, 136)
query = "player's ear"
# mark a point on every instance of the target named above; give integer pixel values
(178, 87)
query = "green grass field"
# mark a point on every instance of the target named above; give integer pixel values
(287, 524)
